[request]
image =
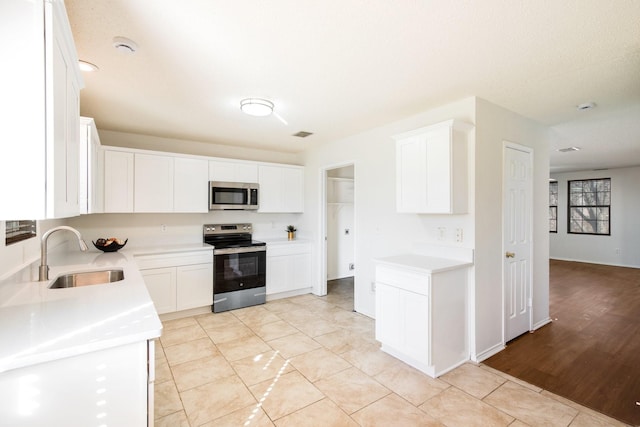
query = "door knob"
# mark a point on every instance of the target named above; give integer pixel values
(510, 254)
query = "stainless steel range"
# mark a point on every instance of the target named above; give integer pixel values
(239, 266)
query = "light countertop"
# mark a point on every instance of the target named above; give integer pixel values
(38, 324)
(422, 263)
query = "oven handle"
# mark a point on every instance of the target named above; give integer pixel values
(243, 250)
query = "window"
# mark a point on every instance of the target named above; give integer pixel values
(17, 231)
(553, 207)
(589, 206)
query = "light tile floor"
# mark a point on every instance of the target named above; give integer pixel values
(312, 361)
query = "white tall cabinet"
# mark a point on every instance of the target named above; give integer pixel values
(39, 106)
(431, 169)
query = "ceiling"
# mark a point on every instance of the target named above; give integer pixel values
(339, 67)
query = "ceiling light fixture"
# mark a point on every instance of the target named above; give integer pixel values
(256, 107)
(87, 66)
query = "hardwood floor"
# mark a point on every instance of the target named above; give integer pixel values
(591, 352)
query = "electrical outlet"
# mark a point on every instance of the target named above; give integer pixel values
(441, 231)
(458, 234)
(163, 227)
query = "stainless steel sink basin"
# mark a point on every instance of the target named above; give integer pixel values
(87, 278)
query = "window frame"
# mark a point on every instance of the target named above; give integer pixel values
(596, 206)
(19, 230)
(553, 207)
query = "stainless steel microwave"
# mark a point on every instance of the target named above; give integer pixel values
(233, 195)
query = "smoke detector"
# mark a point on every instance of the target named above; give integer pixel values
(125, 45)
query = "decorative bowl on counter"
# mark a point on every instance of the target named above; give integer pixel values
(111, 244)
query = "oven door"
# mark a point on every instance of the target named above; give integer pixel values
(236, 269)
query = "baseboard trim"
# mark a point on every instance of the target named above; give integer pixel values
(478, 358)
(594, 262)
(541, 323)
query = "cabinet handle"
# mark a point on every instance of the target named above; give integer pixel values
(510, 254)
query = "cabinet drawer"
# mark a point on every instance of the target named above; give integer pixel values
(413, 282)
(288, 249)
(174, 259)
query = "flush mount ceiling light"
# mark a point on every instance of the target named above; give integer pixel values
(87, 66)
(125, 45)
(256, 107)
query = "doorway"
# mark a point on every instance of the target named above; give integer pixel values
(339, 249)
(517, 230)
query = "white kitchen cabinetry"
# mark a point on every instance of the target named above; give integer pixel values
(190, 185)
(118, 181)
(233, 171)
(281, 188)
(39, 106)
(91, 188)
(421, 312)
(432, 169)
(288, 269)
(178, 281)
(107, 387)
(153, 183)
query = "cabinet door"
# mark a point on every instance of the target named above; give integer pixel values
(90, 194)
(229, 171)
(161, 284)
(118, 181)
(411, 194)
(281, 188)
(194, 286)
(153, 183)
(388, 315)
(414, 329)
(277, 274)
(300, 266)
(63, 116)
(190, 192)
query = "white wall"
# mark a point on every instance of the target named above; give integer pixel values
(494, 125)
(379, 230)
(622, 247)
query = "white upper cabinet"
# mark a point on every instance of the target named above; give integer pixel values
(190, 185)
(233, 171)
(91, 187)
(153, 183)
(40, 89)
(281, 188)
(118, 181)
(432, 169)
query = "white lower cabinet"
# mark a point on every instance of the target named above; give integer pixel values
(111, 387)
(421, 317)
(288, 269)
(178, 281)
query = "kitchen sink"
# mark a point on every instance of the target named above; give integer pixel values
(87, 278)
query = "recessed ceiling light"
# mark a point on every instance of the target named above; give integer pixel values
(257, 107)
(568, 149)
(87, 66)
(586, 106)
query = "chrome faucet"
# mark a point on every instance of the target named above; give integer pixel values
(43, 272)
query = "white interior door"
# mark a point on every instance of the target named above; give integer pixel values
(518, 185)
